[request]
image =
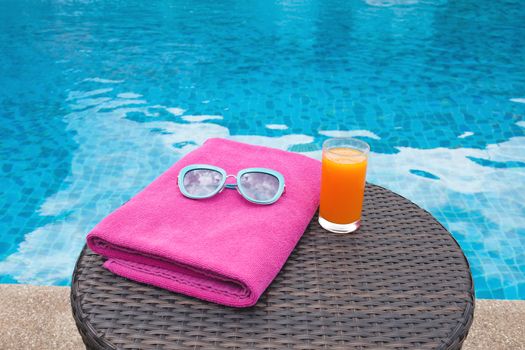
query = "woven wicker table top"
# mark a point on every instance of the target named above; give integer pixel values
(400, 282)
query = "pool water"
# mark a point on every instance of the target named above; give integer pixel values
(97, 98)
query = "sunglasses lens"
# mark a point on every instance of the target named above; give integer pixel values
(202, 182)
(259, 186)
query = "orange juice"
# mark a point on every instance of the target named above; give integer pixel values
(342, 185)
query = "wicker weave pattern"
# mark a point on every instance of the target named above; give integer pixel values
(401, 282)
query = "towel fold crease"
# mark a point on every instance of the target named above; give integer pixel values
(222, 249)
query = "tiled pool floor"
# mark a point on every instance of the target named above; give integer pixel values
(96, 100)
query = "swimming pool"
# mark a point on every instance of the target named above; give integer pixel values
(99, 97)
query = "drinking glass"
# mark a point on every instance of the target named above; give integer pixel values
(343, 184)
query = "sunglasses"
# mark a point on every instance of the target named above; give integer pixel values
(257, 185)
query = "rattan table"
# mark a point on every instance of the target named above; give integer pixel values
(401, 282)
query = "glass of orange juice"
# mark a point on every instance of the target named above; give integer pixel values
(343, 184)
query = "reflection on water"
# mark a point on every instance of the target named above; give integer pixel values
(387, 3)
(115, 158)
(476, 202)
(97, 99)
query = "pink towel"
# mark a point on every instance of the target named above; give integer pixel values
(222, 249)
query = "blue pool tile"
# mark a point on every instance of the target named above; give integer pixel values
(86, 125)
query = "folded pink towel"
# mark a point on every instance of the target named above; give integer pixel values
(223, 249)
